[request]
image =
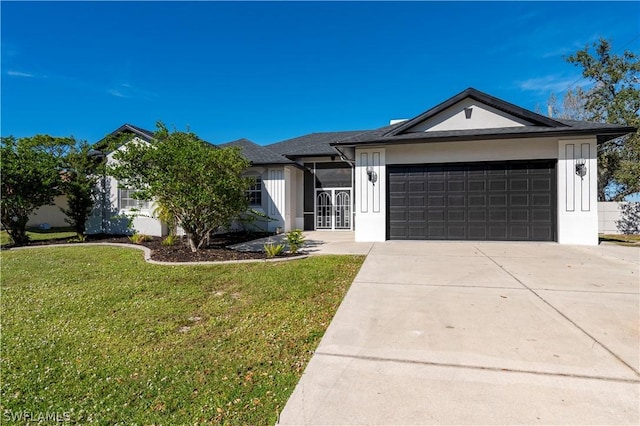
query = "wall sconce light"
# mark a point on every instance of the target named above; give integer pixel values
(373, 176)
(581, 167)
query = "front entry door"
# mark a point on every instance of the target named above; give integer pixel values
(333, 208)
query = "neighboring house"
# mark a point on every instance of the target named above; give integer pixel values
(50, 215)
(471, 168)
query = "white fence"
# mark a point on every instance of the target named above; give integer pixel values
(609, 213)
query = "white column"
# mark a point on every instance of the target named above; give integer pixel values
(577, 195)
(370, 193)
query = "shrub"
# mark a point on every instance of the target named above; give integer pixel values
(273, 250)
(295, 239)
(629, 222)
(170, 240)
(139, 238)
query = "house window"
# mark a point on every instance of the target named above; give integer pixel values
(254, 193)
(127, 202)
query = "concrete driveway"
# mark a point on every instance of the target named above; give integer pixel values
(480, 333)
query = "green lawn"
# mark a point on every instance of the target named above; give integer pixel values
(40, 234)
(101, 336)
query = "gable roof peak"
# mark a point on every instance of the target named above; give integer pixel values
(489, 100)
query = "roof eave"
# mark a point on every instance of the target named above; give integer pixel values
(602, 136)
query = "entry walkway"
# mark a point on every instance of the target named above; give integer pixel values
(316, 242)
(480, 333)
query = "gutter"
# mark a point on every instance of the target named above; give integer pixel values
(344, 157)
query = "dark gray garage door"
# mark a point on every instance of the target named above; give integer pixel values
(512, 200)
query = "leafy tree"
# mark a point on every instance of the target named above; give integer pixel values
(613, 98)
(30, 179)
(80, 179)
(201, 186)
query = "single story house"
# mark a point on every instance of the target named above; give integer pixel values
(474, 167)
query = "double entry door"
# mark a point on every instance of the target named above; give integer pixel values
(333, 208)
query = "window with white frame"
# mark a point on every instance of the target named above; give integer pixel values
(127, 202)
(254, 192)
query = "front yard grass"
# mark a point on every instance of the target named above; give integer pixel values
(98, 335)
(36, 234)
(621, 239)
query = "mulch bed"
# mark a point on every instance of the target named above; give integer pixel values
(180, 252)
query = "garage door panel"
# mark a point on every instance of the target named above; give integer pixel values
(456, 216)
(456, 200)
(541, 184)
(477, 215)
(541, 200)
(397, 187)
(519, 216)
(416, 186)
(456, 186)
(478, 201)
(518, 184)
(436, 200)
(435, 186)
(518, 200)
(497, 184)
(498, 200)
(498, 215)
(477, 232)
(437, 215)
(417, 201)
(416, 216)
(518, 233)
(497, 233)
(477, 185)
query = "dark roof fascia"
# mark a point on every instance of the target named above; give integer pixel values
(333, 153)
(601, 136)
(294, 164)
(485, 98)
(145, 134)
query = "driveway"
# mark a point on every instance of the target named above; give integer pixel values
(480, 333)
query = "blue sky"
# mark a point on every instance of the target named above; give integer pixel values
(271, 71)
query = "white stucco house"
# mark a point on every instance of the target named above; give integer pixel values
(474, 167)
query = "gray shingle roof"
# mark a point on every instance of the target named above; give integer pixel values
(256, 154)
(312, 144)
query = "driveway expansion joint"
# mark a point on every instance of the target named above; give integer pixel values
(606, 348)
(477, 367)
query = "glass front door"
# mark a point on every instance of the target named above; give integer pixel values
(333, 208)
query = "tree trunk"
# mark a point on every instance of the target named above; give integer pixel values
(192, 243)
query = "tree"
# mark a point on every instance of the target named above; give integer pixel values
(200, 185)
(81, 173)
(30, 179)
(613, 98)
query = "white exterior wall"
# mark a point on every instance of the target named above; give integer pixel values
(50, 214)
(482, 117)
(112, 219)
(371, 208)
(577, 197)
(274, 185)
(492, 150)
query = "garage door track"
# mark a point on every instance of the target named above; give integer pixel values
(480, 333)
